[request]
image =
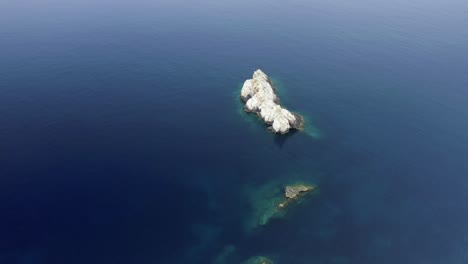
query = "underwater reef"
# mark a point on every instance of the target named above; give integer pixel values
(258, 260)
(273, 200)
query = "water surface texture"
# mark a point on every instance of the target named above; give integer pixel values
(123, 138)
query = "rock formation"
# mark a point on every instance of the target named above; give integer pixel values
(292, 191)
(260, 98)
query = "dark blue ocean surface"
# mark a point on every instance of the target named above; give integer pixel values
(123, 140)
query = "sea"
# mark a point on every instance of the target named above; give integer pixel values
(123, 139)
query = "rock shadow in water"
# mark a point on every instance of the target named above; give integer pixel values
(280, 139)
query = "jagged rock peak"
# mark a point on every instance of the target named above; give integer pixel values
(260, 97)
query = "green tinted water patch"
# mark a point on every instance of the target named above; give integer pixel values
(309, 128)
(259, 260)
(267, 201)
(226, 255)
(263, 202)
(229, 255)
(206, 236)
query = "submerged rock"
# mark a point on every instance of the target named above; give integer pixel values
(258, 260)
(223, 256)
(274, 201)
(264, 202)
(260, 98)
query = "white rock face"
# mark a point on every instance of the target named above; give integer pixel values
(260, 97)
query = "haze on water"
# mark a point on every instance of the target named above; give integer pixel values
(123, 138)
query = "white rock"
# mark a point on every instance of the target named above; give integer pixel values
(261, 98)
(247, 89)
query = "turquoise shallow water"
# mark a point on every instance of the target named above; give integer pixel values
(123, 139)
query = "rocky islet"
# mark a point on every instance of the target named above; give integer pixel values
(260, 97)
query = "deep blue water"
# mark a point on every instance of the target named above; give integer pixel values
(122, 138)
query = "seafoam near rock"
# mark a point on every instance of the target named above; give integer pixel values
(260, 97)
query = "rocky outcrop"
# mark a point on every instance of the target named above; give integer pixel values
(260, 98)
(292, 191)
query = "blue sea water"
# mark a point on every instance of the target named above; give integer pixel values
(123, 139)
